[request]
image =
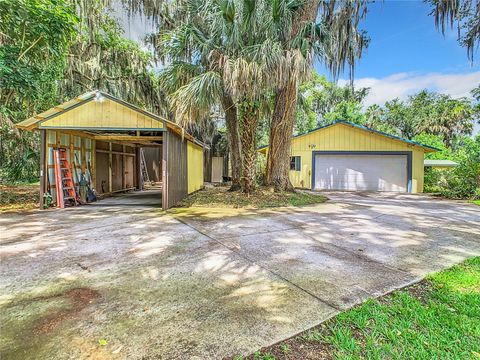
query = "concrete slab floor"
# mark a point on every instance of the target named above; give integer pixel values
(210, 283)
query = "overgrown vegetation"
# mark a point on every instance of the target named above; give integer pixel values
(52, 51)
(461, 182)
(20, 196)
(435, 319)
(34, 40)
(261, 198)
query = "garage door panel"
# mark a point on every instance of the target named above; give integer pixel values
(361, 172)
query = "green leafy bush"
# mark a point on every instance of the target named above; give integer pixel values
(432, 180)
(464, 181)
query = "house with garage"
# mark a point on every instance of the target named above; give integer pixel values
(102, 138)
(347, 156)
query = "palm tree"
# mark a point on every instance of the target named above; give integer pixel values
(260, 46)
(450, 118)
(236, 49)
(336, 41)
(186, 40)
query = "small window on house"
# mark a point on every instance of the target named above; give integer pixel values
(295, 163)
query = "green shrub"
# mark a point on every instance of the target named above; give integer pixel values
(463, 182)
(432, 180)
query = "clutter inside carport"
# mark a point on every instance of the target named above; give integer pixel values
(70, 192)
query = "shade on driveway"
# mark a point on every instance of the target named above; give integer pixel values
(210, 283)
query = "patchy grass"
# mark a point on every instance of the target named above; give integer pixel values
(476, 202)
(14, 197)
(262, 198)
(438, 318)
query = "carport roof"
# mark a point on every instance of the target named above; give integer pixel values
(35, 121)
(361, 127)
(439, 163)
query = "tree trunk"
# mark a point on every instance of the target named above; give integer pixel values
(234, 143)
(281, 130)
(283, 119)
(249, 117)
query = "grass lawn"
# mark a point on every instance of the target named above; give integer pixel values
(23, 196)
(477, 202)
(438, 318)
(220, 197)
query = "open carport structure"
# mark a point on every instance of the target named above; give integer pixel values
(104, 135)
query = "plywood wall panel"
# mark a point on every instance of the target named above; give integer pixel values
(176, 183)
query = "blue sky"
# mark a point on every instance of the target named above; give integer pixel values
(407, 54)
(404, 39)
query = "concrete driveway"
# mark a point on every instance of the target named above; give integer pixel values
(120, 279)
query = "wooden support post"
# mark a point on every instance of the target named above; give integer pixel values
(73, 161)
(165, 170)
(110, 161)
(83, 155)
(138, 170)
(93, 164)
(43, 167)
(124, 169)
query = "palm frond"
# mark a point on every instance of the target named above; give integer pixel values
(195, 99)
(177, 74)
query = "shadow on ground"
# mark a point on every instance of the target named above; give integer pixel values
(121, 279)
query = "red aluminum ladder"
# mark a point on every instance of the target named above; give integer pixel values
(64, 185)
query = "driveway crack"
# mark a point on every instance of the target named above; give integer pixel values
(252, 261)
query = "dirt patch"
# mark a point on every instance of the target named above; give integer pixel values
(79, 299)
(295, 349)
(418, 291)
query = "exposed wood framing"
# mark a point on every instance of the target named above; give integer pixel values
(69, 140)
(43, 167)
(165, 171)
(110, 177)
(77, 133)
(129, 138)
(115, 152)
(73, 165)
(124, 169)
(138, 172)
(93, 166)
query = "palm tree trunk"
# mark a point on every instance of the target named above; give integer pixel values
(281, 127)
(249, 123)
(234, 143)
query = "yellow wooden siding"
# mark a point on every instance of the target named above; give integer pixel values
(103, 114)
(194, 167)
(343, 137)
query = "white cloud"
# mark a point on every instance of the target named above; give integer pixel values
(402, 85)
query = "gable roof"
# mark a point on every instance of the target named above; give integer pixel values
(158, 122)
(361, 127)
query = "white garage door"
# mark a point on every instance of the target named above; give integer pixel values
(361, 172)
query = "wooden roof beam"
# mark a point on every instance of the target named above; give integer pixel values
(127, 138)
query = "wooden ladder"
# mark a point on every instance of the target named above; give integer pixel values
(143, 165)
(64, 184)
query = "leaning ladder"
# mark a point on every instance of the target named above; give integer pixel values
(143, 165)
(65, 188)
